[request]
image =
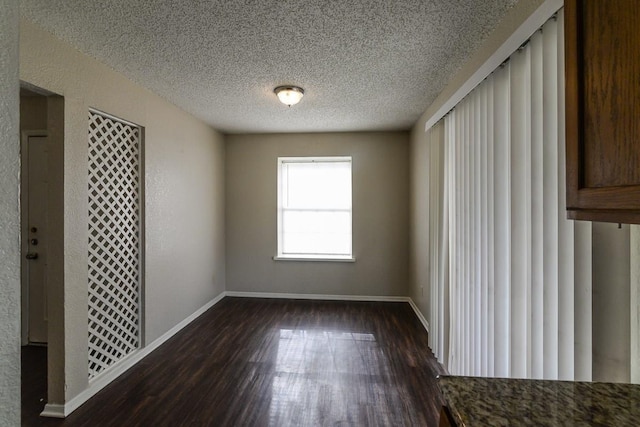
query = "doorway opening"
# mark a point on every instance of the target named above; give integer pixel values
(41, 201)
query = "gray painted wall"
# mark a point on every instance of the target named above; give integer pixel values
(419, 287)
(184, 203)
(9, 217)
(425, 190)
(611, 303)
(380, 215)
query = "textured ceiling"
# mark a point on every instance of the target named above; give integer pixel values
(364, 64)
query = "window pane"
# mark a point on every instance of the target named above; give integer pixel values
(317, 185)
(316, 232)
(314, 206)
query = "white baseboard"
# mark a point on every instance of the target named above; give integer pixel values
(100, 382)
(422, 319)
(53, 410)
(316, 296)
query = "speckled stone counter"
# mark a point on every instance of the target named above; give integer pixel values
(505, 402)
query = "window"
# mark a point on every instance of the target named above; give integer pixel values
(314, 208)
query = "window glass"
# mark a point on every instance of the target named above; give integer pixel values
(314, 207)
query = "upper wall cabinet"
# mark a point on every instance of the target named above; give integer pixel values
(602, 53)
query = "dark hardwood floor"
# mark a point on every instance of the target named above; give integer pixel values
(262, 362)
(34, 383)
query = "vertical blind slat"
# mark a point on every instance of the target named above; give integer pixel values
(467, 335)
(471, 241)
(537, 205)
(482, 194)
(449, 145)
(467, 295)
(490, 228)
(459, 282)
(552, 180)
(520, 201)
(476, 179)
(566, 266)
(442, 278)
(501, 155)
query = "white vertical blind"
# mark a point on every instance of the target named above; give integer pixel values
(551, 221)
(451, 199)
(519, 274)
(482, 225)
(520, 169)
(567, 261)
(438, 239)
(502, 222)
(537, 204)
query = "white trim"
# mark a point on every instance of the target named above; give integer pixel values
(373, 298)
(53, 410)
(418, 313)
(282, 181)
(101, 381)
(327, 258)
(521, 35)
(112, 117)
(315, 159)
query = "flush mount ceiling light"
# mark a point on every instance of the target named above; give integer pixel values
(289, 95)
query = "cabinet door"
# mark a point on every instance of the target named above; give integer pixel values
(602, 52)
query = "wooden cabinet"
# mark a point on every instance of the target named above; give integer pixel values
(602, 67)
(446, 419)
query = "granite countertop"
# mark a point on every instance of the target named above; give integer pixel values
(475, 401)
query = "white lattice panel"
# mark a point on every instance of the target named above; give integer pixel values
(114, 241)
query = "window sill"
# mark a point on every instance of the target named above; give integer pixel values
(314, 258)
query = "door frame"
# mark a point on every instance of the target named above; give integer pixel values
(24, 210)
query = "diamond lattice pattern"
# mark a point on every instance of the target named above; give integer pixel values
(114, 241)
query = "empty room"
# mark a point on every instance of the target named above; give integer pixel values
(319, 213)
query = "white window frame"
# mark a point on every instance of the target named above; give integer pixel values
(281, 256)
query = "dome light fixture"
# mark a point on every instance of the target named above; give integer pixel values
(289, 95)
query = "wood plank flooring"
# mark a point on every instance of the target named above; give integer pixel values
(265, 362)
(34, 383)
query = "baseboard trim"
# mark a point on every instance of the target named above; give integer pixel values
(327, 297)
(100, 382)
(53, 410)
(418, 313)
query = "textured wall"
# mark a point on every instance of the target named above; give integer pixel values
(419, 257)
(611, 303)
(9, 217)
(380, 215)
(184, 181)
(515, 17)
